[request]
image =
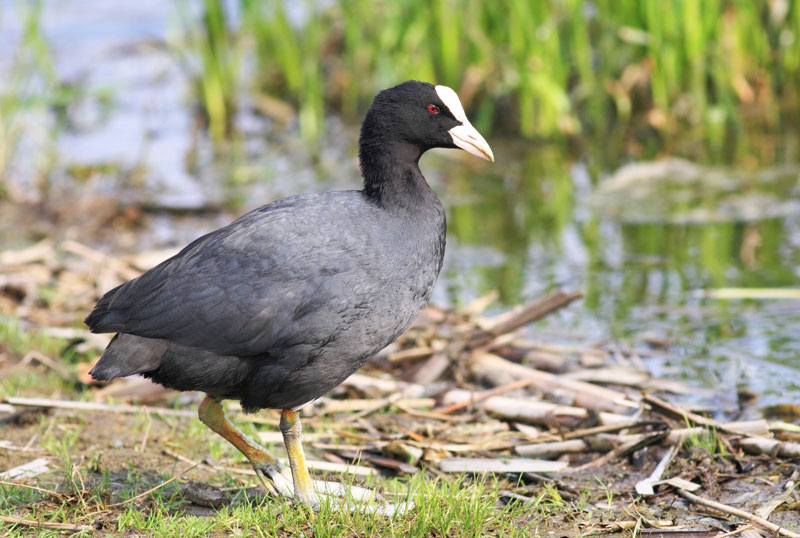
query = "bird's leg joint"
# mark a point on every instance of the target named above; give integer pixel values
(290, 424)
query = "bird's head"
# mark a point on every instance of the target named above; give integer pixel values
(424, 116)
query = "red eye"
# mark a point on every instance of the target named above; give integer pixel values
(433, 109)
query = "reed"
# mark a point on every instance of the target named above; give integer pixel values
(541, 69)
(31, 83)
(211, 55)
(289, 58)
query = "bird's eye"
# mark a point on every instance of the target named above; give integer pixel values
(433, 109)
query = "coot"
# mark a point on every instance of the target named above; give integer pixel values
(283, 304)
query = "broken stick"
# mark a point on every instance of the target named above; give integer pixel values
(69, 527)
(530, 313)
(498, 371)
(691, 497)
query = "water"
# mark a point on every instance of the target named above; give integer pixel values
(642, 245)
(643, 269)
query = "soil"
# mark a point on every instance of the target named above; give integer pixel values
(108, 447)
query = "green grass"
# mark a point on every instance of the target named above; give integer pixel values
(213, 51)
(35, 378)
(534, 68)
(707, 441)
(454, 508)
(18, 340)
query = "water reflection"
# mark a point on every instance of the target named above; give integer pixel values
(641, 262)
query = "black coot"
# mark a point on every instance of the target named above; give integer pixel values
(283, 304)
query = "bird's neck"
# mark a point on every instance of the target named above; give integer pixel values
(392, 177)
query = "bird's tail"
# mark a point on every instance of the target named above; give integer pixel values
(128, 354)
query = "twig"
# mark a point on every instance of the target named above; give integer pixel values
(495, 465)
(645, 486)
(355, 448)
(431, 414)
(380, 404)
(628, 524)
(559, 349)
(151, 490)
(410, 354)
(332, 467)
(13, 520)
(32, 468)
(76, 469)
(550, 450)
(366, 383)
(623, 450)
(34, 253)
(30, 442)
(587, 432)
(184, 459)
(606, 428)
(528, 410)
(484, 395)
(749, 427)
(737, 530)
(381, 461)
(46, 361)
(433, 368)
(92, 406)
(146, 431)
(17, 484)
(314, 465)
(482, 446)
(330, 406)
(6, 445)
(669, 409)
(530, 313)
(100, 258)
(760, 445)
(498, 371)
(214, 468)
(479, 305)
(691, 497)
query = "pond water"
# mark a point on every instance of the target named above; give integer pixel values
(644, 243)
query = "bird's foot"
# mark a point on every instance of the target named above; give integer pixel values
(307, 498)
(273, 479)
(279, 482)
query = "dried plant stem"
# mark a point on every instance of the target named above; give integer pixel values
(13, 520)
(691, 497)
(514, 385)
(26, 486)
(93, 406)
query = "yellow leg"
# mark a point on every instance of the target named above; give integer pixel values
(266, 466)
(292, 431)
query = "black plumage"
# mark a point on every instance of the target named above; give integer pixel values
(283, 304)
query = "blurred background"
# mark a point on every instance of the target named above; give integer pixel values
(648, 152)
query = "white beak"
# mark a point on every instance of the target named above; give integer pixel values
(465, 136)
(469, 139)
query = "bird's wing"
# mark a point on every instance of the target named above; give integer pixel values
(245, 288)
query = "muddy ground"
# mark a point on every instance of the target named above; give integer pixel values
(120, 454)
